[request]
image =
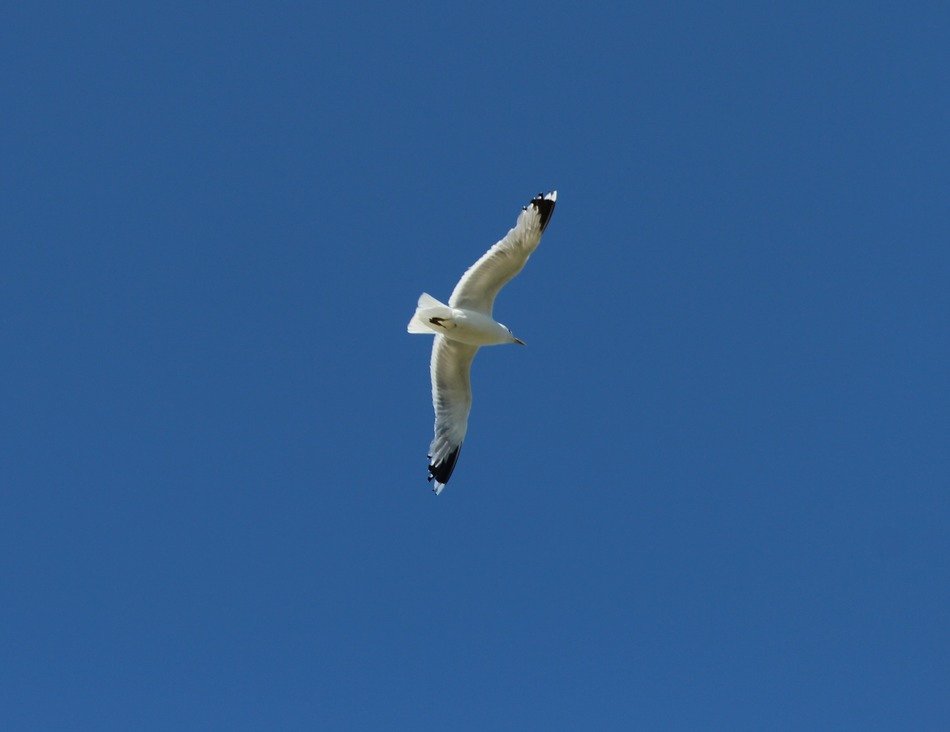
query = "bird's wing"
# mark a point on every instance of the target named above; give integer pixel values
(452, 399)
(482, 281)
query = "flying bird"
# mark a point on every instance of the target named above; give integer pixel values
(466, 324)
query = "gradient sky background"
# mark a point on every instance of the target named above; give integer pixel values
(712, 492)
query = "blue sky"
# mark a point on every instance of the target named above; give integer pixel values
(711, 493)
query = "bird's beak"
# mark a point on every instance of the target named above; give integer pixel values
(519, 341)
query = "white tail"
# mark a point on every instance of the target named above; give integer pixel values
(427, 301)
(426, 308)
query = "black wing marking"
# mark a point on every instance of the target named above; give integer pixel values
(443, 471)
(545, 208)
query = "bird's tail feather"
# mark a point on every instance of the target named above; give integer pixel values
(427, 301)
(428, 307)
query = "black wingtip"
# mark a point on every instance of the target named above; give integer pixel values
(443, 470)
(545, 207)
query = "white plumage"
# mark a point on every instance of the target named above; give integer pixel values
(466, 324)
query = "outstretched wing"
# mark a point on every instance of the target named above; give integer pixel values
(482, 281)
(451, 368)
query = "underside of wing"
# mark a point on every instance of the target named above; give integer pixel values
(482, 281)
(451, 368)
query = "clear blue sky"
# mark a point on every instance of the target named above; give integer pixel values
(711, 493)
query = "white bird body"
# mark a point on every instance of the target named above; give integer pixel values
(459, 324)
(465, 324)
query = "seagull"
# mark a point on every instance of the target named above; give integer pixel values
(466, 324)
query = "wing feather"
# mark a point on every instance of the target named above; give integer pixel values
(451, 368)
(483, 280)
